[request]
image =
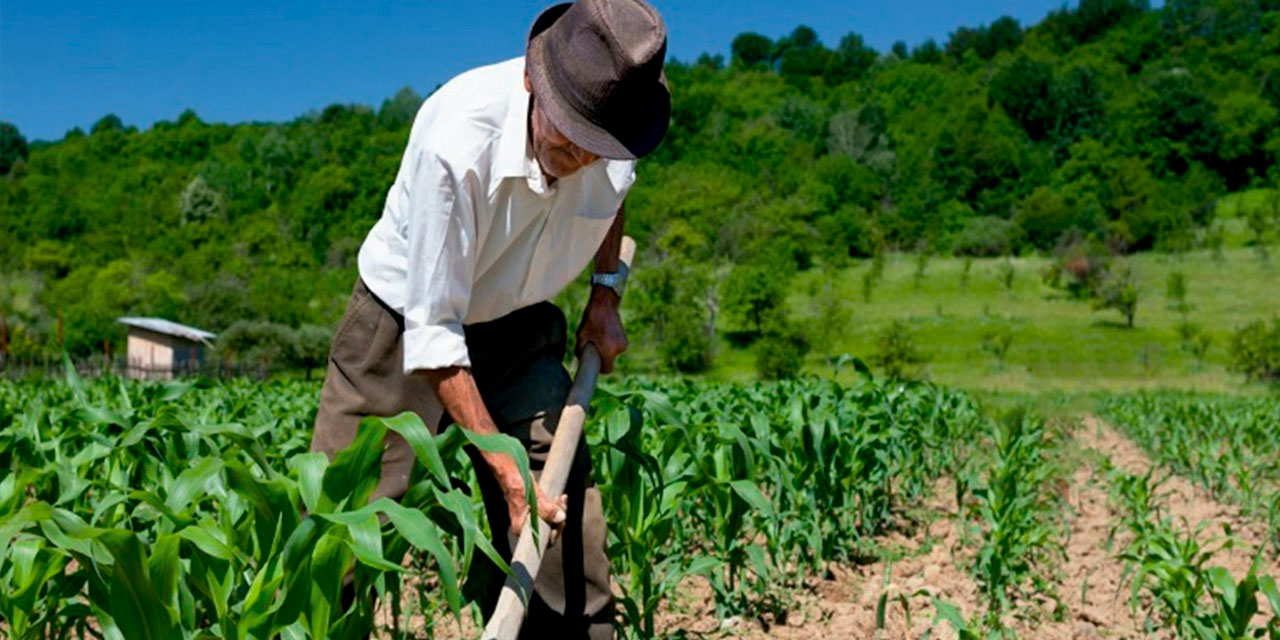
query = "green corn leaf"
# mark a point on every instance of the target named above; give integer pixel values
(749, 492)
(164, 568)
(366, 543)
(355, 471)
(274, 510)
(1221, 580)
(505, 444)
(191, 483)
(460, 506)
(210, 541)
(311, 468)
(329, 565)
(421, 533)
(135, 606)
(32, 513)
(410, 427)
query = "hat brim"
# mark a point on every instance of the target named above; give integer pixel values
(635, 138)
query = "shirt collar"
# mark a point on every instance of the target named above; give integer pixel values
(515, 157)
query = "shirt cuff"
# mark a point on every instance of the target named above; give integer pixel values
(435, 347)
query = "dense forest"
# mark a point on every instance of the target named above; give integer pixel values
(1111, 123)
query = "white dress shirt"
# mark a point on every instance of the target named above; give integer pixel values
(471, 231)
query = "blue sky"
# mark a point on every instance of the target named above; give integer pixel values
(66, 64)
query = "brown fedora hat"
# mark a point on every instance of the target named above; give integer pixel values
(596, 69)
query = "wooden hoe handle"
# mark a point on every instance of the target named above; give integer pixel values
(527, 559)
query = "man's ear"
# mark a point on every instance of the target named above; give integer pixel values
(528, 84)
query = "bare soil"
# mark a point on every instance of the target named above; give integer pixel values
(1091, 584)
(1195, 506)
(845, 606)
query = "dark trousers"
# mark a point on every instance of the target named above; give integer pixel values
(517, 363)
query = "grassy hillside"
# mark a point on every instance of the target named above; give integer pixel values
(1057, 343)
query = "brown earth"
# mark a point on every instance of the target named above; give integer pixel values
(845, 606)
(1194, 505)
(1091, 583)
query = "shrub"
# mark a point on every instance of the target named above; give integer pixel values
(830, 319)
(1118, 290)
(996, 343)
(897, 354)
(987, 236)
(1255, 351)
(1081, 265)
(780, 352)
(1007, 274)
(268, 345)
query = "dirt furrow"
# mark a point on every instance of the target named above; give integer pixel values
(1190, 503)
(845, 606)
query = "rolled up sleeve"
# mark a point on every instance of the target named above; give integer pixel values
(441, 234)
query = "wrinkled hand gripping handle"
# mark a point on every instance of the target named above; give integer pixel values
(527, 559)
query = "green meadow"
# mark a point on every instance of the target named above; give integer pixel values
(1058, 343)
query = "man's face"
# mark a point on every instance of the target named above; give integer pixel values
(558, 157)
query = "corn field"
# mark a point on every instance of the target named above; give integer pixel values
(1229, 446)
(193, 509)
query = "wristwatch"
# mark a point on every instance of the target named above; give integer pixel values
(616, 280)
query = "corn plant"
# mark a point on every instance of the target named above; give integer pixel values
(1226, 445)
(194, 510)
(1015, 507)
(126, 515)
(1170, 564)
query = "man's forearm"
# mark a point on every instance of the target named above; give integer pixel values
(460, 396)
(607, 254)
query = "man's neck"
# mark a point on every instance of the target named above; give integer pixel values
(547, 178)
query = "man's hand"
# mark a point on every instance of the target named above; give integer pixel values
(602, 327)
(461, 399)
(552, 511)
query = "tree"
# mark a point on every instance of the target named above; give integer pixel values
(1022, 88)
(863, 137)
(200, 203)
(1079, 107)
(399, 110)
(310, 347)
(751, 294)
(801, 54)
(322, 199)
(852, 59)
(927, 53)
(1045, 215)
(780, 352)
(264, 345)
(672, 301)
(1245, 119)
(109, 122)
(752, 50)
(1179, 123)
(1119, 291)
(1005, 34)
(13, 147)
(1255, 351)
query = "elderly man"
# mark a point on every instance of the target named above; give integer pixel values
(514, 176)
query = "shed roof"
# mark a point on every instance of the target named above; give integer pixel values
(168, 327)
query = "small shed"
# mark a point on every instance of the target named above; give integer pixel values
(160, 349)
